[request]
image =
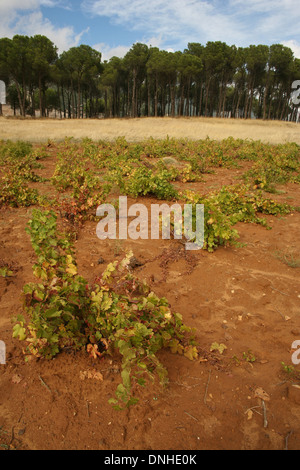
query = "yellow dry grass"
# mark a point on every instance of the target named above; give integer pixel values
(40, 130)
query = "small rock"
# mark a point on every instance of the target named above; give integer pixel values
(294, 394)
(170, 161)
(295, 332)
(227, 336)
(134, 263)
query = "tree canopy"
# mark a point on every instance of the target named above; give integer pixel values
(214, 79)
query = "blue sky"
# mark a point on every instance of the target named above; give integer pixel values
(113, 26)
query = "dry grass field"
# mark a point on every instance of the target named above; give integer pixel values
(141, 128)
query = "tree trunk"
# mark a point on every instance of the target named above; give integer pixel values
(284, 107)
(181, 104)
(207, 85)
(79, 100)
(270, 106)
(40, 96)
(247, 102)
(224, 102)
(173, 100)
(163, 101)
(251, 102)
(105, 103)
(195, 101)
(148, 98)
(128, 100)
(73, 100)
(188, 98)
(58, 94)
(220, 100)
(63, 101)
(22, 111)
(201, 98)
(156, 97)
(265, 97)
(237, 109)
(134, 93)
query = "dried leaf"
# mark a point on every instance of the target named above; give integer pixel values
(202, 359)
(91, 374)
(260, 393)
(16, 379)
(92, 349)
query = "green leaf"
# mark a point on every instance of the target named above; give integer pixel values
(106, 304)
(121, 393)
(141, 382)
(19, 332)
(218, 347)
(191, 353)
(126, 379)
(112, 401)
(5, 272)
(53, 313)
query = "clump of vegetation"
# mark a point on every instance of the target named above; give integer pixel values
(118, 314)
(15, 192)
(6, 272)
(14, 150)
(278, 166)
(290, 371)
(18, 163)
(232, 204)
(144, 181)
(289, 258)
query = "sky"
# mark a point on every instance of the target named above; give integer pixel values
(113, 26)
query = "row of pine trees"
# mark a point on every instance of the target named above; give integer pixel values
(204, 80)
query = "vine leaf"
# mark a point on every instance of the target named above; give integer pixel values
(218, 347)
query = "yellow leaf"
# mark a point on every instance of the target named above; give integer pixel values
(191, 353)
(218, 347)
(71, 269)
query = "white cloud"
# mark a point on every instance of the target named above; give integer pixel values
(294, 46)
(120, 51)
(9, 5)
(13, 5)
(109, 52)
(35, 23)
(272, 19)
(178, 22)
(25, 17)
